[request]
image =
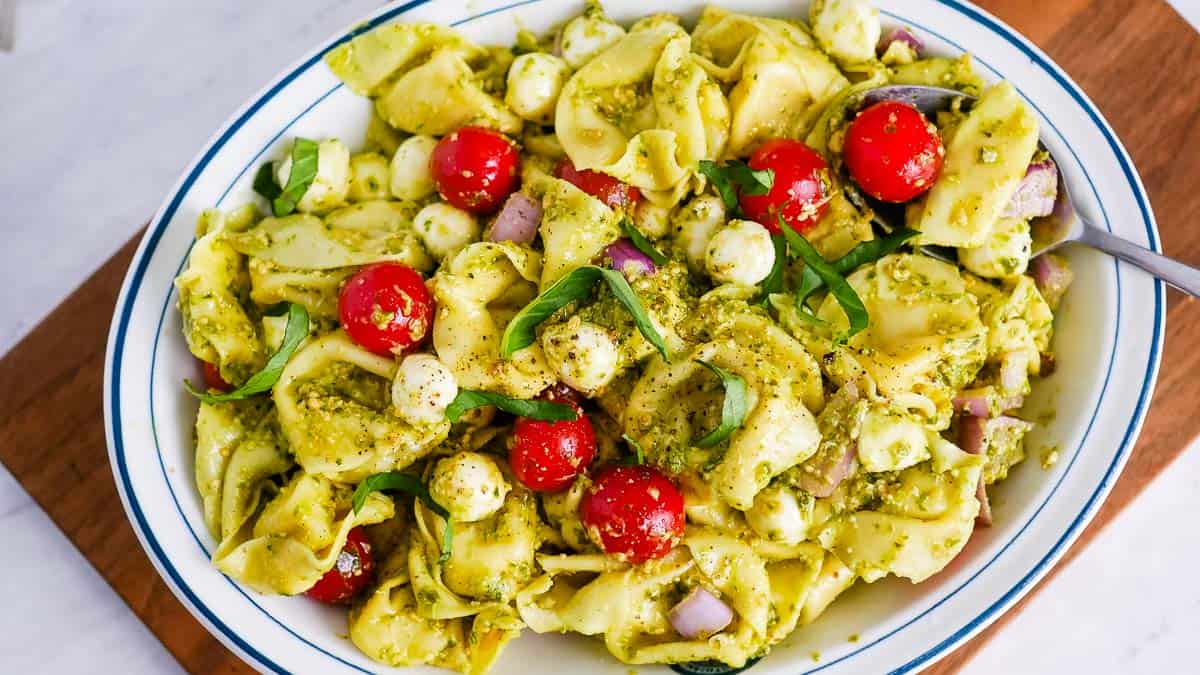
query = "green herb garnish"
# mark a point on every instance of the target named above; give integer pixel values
(736, 177)
(641, 243)
(263, 380)
(304, 170)
(410, 485)
(265, 183)
(841, 289)
(573, 286)
(733, 410)
(865, 252)
(639, 455)
(774, 281)
(537, 410)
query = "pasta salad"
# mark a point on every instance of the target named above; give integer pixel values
(629, 331)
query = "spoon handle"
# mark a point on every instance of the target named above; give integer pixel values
(1184, 277)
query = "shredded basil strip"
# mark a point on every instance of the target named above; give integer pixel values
(865, 252)
(641, 243)
(263, 380)
(265, 183)
(410, 485)
(573, 286)
(733, 410)
(304, 170)
(545, 411)
(736, 177)
(841, 289)
(639, 455)
(774, 281)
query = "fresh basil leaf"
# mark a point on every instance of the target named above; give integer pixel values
(639, 455)
(545, 411)
(265, 183)
(410, 485)
(733, 409)
(304, 170)
(641, 243)
(573, 286)
(263, 380)
(736, 177)
(841, 289)
(865, 252)
(774, 281)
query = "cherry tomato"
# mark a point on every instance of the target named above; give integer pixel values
(386, 308)
(350, 574)
(634, 512)
(602, 186)
(547, 456)
(213, 379)
(475, 168)
(800, 191)
(893, 152)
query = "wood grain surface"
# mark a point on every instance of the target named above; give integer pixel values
(1138, 59)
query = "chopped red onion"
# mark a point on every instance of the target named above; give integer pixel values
(518, 220)
(700, 615)
(984, 517)
(1036, 194)
(975, 404)
(1052, 276)
(628, 260)
(972, 436)
(821, 477)
(902, 34)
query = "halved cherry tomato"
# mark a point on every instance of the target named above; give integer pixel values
(475, 168)
(350, 574)
(634, 512)
(800, 192)
(893, 152)
(548, 456)
(386, 308)
(611, 191)
(213, 379)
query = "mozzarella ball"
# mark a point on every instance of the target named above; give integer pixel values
(652, 220)
(445, 229)
(331, 184)
(694, 224)
(586, 36)
(777, 516)
(370, 176)
(424, 387)
(469, 486)
(534, 82)
(848, 29)
(582, 354)
(740, 253)
(411, 178)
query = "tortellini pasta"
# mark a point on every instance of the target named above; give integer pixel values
(335, 409)
(644, 110)
(297, 536)
(212, 298)
(477, 292)
(673, 404)
(782, 80)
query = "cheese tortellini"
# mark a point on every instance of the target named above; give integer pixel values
(712, 417)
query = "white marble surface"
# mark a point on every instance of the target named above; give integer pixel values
(101, 106)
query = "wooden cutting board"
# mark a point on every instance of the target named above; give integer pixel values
(1138, 59)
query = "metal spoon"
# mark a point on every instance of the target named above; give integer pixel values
(1066, 224)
